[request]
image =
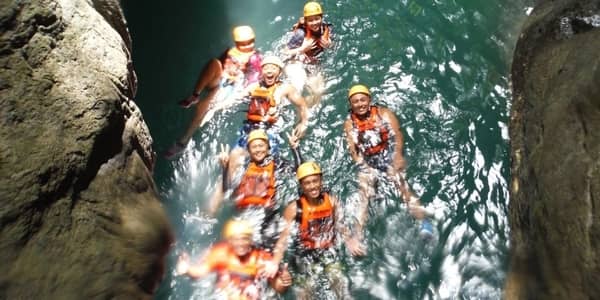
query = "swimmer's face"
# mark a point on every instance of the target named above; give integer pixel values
(360, 104)
(246, 46)
(270, 73)
(241, 244)
(258, 149)
(311, 186)
(314, 22)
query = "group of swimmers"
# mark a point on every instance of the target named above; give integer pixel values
(244, 263)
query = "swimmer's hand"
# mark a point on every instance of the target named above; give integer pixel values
(282, 280)
(355, 247)
(307, 45)
(183, 264)
(272, 113)
(223, 156)
(299, 131)
(269, 269)
(293, 140)
(285, 278)
(325, 42)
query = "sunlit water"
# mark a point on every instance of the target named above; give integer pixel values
(441, 66)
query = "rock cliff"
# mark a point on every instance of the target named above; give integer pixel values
(555, 136)
(80, 216)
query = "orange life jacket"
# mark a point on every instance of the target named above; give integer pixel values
(232, 273)
(258, 107)
(316, 222)
(308, 35)
(257, 187)
(373, 135)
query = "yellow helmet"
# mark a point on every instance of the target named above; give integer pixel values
(359, 88)
(272, 59)
(312, 9)
(237, 227)
(257, 134)
(307, 169)
(243, 33)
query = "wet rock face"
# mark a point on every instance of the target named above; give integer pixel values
(555, 136)
(80, 216)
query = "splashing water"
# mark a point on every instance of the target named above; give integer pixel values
(441, 66)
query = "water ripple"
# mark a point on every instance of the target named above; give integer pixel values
(442, 67)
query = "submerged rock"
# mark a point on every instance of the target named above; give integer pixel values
(80, 216)
(555, 136)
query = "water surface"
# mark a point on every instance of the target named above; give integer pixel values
(441, 66)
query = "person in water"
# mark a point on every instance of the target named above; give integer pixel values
(239, 63)
(318, 216)
(267, 98)
(375, 143)
(311, 35)
(254, 195)
(238, 264)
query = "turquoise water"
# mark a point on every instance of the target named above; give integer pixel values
(441, 66)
